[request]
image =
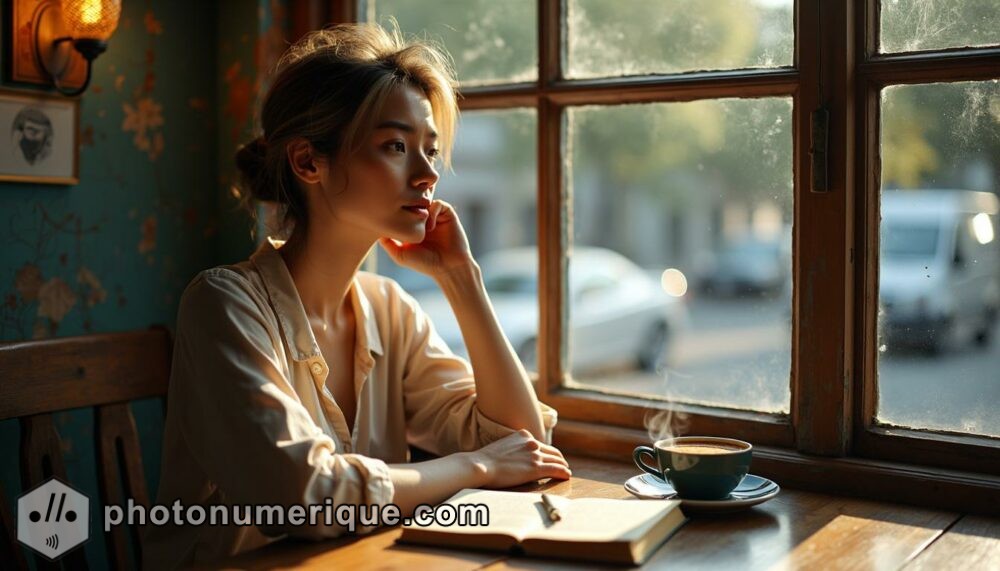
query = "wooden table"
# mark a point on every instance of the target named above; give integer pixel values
(795, 530)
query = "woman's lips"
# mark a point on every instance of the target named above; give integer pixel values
(418, 210)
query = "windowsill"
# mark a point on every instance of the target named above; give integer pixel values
(917, 485)
(588, 390)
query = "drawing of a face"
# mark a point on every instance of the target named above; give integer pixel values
(32, 134)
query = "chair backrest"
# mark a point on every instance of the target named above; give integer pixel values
(103, 371)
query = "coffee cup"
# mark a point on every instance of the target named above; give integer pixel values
(698, 467)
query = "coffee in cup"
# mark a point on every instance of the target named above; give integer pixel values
(698, 467)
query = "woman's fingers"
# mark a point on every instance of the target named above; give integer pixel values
(518, 458)
(551, 450)
(434, 211)
(553, 459)
(554, 471)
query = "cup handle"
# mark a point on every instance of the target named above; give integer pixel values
(637, 457)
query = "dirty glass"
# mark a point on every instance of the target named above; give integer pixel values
(680, 270)
(637, 37)
(914, 25)
(939, 264)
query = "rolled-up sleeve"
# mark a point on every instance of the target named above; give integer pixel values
(439, 391)
(241, 419)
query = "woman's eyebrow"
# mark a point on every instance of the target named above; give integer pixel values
(403, 127)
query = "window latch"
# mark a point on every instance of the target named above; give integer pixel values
(818, 149)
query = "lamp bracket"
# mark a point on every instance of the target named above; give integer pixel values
(42, 19)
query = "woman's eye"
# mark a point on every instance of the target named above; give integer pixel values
(397, 146)
(434, 153)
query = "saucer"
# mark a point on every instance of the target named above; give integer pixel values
(752, 490)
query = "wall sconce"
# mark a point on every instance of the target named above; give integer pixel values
(55, 34)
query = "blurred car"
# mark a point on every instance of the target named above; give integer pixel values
(939, 274)
(618, 313)
(749, 265)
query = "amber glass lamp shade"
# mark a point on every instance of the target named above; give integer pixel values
(91, 19)
(86, 25)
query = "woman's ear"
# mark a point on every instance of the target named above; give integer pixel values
(304, 161)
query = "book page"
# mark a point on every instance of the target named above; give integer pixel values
(510, 513)
(603, 520)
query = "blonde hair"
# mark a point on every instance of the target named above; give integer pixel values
(329, 89)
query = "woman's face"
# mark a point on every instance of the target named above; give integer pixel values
(390, 180)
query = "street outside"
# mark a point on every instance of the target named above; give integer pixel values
(737, 353)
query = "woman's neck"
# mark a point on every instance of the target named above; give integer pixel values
(323, 267)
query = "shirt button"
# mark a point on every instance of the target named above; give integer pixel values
(317, 368)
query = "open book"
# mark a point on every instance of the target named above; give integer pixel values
(594, 529)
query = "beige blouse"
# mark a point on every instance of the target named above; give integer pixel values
(251, 421)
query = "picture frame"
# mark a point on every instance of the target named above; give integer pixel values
(41, 134)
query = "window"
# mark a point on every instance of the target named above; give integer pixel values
(751, 169)
(605, 39)
(638, 171)
(930, 391)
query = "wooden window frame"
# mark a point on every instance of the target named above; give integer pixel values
(877, 71)
(829, 440)
(551, 95)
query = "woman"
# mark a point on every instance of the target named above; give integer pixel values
(296, 377)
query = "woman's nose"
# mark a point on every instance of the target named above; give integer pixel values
(426, 175)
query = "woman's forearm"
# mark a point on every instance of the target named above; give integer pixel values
(504, 393)
(433, 481)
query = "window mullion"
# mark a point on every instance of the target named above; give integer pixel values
(552, 204)
(616, 91)
(684, 87)
(822, 346)
(552, 242)
(868, 35)
(868, 180)
(549, 42)
(946, 65)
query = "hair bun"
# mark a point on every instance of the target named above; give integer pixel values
(251, 159)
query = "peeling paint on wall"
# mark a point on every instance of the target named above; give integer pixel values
(114, 252)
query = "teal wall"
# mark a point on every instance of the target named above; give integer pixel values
(169, 103)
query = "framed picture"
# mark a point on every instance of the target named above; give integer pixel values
(41, 137)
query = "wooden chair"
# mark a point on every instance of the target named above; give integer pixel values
(105, 371)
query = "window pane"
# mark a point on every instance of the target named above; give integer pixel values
(491, 42)
(680, 275)
(939, 277)
(913, 25)
(636, 37)
(493, 191)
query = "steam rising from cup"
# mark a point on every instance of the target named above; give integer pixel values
(662, 424)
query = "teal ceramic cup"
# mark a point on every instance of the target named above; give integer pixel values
(698, 467)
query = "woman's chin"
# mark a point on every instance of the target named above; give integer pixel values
(410, 237)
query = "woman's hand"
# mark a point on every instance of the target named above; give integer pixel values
(445, 245)
(518, 458)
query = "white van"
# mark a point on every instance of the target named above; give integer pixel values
(939, 270)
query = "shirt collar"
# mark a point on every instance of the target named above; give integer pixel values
(285, 299)
(363, 308)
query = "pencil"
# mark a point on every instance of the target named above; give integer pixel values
(550, 508)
